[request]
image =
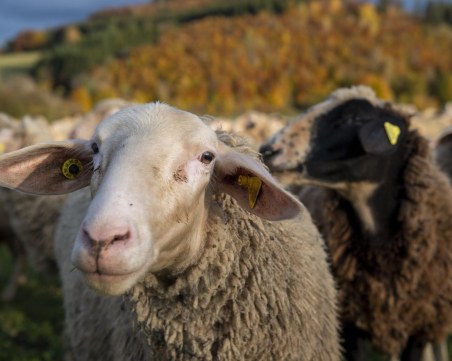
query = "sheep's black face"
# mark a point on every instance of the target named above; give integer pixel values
(354, 141)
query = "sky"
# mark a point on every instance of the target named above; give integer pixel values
(19, 15)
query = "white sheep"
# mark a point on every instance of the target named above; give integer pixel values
(181, 224)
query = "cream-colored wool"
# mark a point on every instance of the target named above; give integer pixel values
(259, 290)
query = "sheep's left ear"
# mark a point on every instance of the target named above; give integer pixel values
(381, 136)
(48, 168)
(252, 186)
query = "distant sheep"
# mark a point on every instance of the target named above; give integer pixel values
(182, 223)
(86, 126)
(16, 210)
(443, 151)
(385, 211)
(254, 126)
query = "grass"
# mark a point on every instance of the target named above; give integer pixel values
(31, 325)
(17, 63)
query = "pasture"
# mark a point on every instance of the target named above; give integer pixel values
(31, 325)
(17, 63)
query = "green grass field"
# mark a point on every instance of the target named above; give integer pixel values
(31, 325)
(17, 63)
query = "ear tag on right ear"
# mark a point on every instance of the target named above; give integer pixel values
(2, 148)
(254, 185)
(392, 131)
(72, 168)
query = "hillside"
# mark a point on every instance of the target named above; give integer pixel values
(274, 62)
(225, 57)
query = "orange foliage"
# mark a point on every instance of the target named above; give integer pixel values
(28, 40)
(276, 62)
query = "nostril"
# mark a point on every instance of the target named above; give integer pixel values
(121, 237)
(268, 152)
(104, 236)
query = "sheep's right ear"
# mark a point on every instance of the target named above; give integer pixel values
(48, 168)
(252, 186)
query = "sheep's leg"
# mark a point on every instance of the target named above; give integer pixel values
(354, 344)
(428, 354)
(9, 291)
(413, 350)
(440, 351)
(18, 255)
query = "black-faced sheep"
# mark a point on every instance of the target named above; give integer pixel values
(181, 222)
(385, 211)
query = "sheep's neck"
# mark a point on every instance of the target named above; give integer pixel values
(374, 208)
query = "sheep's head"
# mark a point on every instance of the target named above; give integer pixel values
(152, 170)
(352, 143)
(347, 138)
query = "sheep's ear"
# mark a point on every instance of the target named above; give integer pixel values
(48, 168)
(253, 187)
(380, 137)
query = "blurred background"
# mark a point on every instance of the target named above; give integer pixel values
(58, 59)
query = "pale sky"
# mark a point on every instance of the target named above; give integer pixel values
(19, 15)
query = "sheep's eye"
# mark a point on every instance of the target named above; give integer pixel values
(207, 157)
(95, 148)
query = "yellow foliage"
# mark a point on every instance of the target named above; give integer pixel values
(379, 84)
(369, 18)
(81, 96)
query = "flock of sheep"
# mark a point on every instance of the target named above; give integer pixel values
(186, 247)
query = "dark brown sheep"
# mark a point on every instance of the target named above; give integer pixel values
(384, 209)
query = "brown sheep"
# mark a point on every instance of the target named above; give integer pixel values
(385, 211)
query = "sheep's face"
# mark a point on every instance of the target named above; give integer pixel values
(286, 150)
(149, 183)
(152, 170)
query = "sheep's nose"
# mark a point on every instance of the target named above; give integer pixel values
(268, 152)
(99, 238)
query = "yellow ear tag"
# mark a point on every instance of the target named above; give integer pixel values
(254, 185)
(2, 148)
(72, 168)
(392, 131)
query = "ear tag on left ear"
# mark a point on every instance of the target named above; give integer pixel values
(254, 185)
(2, 148)
(72, 168)
(392, 131)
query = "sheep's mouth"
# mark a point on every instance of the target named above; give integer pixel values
(112, 285)
(97, 278)
(106, 277)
